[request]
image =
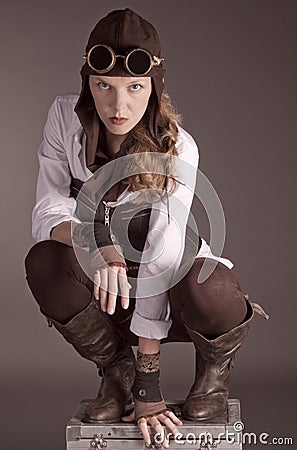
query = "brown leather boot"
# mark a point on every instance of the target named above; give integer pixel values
(209, 393)
(95, 338)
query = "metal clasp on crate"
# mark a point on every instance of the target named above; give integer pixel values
(207, 442)
(153, 445)
(98, 442)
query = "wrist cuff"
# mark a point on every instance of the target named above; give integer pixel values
(148, 362)
(107, 256)
(146, 387)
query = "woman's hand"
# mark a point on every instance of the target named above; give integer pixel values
(106, 281)
(157, 421)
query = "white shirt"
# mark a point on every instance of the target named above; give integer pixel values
(62, 154)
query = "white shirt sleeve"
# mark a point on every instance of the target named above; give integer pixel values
(53, 202)
(164, 247)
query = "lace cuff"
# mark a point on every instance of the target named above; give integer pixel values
(108, 256)
(148, 363)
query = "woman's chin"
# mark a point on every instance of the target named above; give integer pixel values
(119, 130)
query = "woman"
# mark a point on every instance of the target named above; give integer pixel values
(122, 112)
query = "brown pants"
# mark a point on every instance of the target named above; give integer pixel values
(62, 290)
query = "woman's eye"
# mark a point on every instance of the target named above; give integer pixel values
(135, 87)
(102, 85)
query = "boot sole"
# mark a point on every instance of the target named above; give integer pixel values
(101, 421)
(203, 419)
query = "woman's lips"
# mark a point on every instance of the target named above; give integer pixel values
(118, 120)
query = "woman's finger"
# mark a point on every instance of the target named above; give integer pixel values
(103, 288)
(97, 280)
(124, 287)
(173, 417)
(154, 422)
(142, 424)
(168, 423)
(112, 289)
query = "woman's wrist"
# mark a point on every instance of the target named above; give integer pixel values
(148, 346)
(108, 256)
(148, 399)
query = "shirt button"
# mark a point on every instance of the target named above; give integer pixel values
(142, 392)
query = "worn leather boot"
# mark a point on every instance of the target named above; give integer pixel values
(95, 338)
(114, 392)
(209, 393)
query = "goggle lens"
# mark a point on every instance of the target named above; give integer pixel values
(100, 58)
(138, 62)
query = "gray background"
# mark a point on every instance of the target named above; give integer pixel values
(231, 69)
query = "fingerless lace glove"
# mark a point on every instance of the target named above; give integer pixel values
(102, 249)
(146, 392)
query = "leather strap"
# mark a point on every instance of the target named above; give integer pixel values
(257, 308)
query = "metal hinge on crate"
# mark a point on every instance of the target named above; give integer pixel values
(207, 443)
(98, 442)
(153, 445)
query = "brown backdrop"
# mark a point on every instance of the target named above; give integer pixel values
(231, 68)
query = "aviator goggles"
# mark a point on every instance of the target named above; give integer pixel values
(138, 62)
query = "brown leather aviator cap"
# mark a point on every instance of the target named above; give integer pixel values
(122, 31)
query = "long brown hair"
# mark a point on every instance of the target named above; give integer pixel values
(156, 177)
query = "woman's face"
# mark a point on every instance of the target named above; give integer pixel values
(120, 101)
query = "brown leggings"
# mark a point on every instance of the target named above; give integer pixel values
(62, 290)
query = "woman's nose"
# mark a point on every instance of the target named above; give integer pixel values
(120, 101)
